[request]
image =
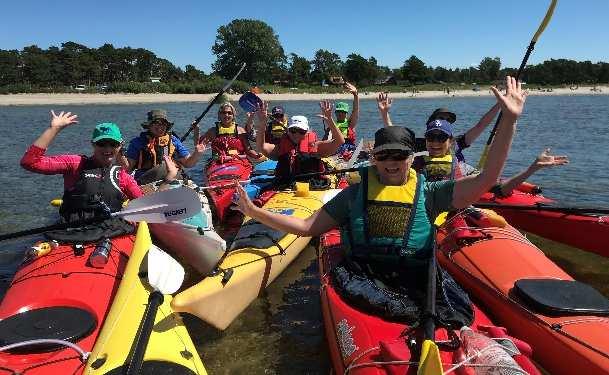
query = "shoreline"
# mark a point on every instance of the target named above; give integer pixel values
(83, 98)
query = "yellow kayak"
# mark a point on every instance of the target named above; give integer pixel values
(170, 349)
(256, 257)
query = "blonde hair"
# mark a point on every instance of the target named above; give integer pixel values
(225, 105)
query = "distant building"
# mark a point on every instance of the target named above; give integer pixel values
(155, 79)
(389, 80)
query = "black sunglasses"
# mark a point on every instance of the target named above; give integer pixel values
(106, 143)
(226, 112)
(392, 155)
(439, 137)
(297, 131)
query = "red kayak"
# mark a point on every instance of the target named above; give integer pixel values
(220, 173)
(573, 227)
(59, 295)
(565, 321)
(364, 344)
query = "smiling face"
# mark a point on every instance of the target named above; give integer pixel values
(226, 115)
(393, 166)
(341, 115)
(296, 134)
(158, 128)
(105, 152)
(437, 143)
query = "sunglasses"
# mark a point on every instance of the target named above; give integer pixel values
(298, 131)
(437, 137)
(107, 143)
(278, 115)
(392, 155)
(160, 123)
(226, 112)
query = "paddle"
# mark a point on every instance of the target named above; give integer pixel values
(530, 48)
(214, 100)
(540, 207)
(430, 362)
(250, 102)
(355, 155)
(165, 276)
(168, 205)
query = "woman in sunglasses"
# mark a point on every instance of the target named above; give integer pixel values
(88, 180)
(386, 219)
(228, 139)
(299, 150)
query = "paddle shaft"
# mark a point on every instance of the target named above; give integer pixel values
(57, 226)
(429, 325)
(141, 341)
(525, 59)
(566, 210)
(215, 99)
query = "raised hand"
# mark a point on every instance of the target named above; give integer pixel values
(326, 109)
(546, 159)
(62, 120)
(350, 87)
(201, 146)
(262, 114)
(512, 102)
(241, 200)
(172, 168)
(384, 102)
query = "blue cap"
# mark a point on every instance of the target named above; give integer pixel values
(440, 125)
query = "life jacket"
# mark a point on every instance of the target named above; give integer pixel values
(227, 142)
(388, 224)
(438, 168)
(93, 186)
(348, 132)
(152, 155)
(275, 130)
(296, 159)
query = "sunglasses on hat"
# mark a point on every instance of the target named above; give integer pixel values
(436, 136)
(392, 155)
(298, 131)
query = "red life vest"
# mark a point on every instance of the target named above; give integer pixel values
(227, 142)
(299, 158)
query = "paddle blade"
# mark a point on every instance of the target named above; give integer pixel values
(165, 274)
(163, 206)
(430, 362)
(355, 155)
(249, 102)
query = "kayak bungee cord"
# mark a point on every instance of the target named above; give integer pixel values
(84, 355)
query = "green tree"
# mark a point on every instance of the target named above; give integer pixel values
(359, 70)
(325, 64)
(193, 74)
(247, 41)
(489, 69)
(414, 70)
(36, 66)
(299, 69)
(9, 67)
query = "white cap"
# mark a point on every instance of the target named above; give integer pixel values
(299, 122)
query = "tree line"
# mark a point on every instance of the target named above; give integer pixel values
(59, 69)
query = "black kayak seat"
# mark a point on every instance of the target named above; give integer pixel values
(554, 297)
(256, 235)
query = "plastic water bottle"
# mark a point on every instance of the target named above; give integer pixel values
(99, 256)
(490, 354)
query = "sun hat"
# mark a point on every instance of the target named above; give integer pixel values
(300, 122)
(106, 130)
(393, 138)
(155, 115)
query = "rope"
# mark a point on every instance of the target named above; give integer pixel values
(84, 355)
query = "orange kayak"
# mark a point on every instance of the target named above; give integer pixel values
(565, 321)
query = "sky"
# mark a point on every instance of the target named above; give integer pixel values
(445, 33)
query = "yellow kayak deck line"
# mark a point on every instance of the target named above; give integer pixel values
(258, 255)
(170, 347)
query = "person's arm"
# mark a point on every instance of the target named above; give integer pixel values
(384, 104)
(242, 134)
(261, 119)
(472, 134)
(58, 123)
(469, 189)
(172, 173)
(318, 223)
(545, 159)
(355, 113)
(329, 147)
(190, 160)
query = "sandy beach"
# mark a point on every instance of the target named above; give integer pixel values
(77, 98)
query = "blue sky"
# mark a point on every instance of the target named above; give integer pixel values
(448, 33)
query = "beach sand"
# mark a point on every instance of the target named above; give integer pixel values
(78, 98)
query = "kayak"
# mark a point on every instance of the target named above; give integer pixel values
(170, 349)
(255, 258)
(552, 222)
(193, 240)
(261, 178)
(564, 320)
(59, 296)
(365, 344)
(221, 174)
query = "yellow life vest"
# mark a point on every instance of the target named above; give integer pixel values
(440, 168)
(230, 130)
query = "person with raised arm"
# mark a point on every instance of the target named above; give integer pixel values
(345, 125)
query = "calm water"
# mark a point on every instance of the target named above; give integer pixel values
(282, 331)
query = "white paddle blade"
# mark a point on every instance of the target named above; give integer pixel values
(330, 193)
(163, 206)
(165, 274)
(358, 149)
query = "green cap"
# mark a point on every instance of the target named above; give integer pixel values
(107, 130)
(342, 107)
